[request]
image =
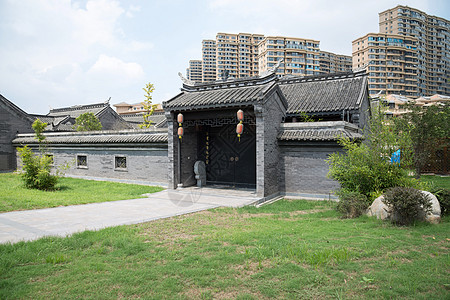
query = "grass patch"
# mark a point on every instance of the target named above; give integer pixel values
(69, 191)
(437, 181)
(289, 249)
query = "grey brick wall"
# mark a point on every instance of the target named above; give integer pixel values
(303, 170)
(11, 123)
(143, 164)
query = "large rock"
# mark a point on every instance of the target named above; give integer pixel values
(381, 211)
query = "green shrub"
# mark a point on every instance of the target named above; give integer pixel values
(406, 204)
(36, 167)
(36, 170)
(351, 204)
(362, 170)
(443, 196)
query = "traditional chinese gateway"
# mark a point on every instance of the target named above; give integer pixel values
(248, 133)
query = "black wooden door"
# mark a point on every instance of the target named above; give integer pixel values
(229, 161)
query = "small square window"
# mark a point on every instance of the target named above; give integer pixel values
(51, 158)
(121, 162)
(82, 161)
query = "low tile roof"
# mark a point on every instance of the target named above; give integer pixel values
(318, 131)
(97, 137)
(329, 93)
(75, 111)
(138, 118)
(226, 94)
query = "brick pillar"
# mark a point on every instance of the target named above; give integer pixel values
(172, 151)
(259, 116)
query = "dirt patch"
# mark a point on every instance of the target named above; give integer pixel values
(197, 293)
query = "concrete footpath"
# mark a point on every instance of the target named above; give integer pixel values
(62, 221)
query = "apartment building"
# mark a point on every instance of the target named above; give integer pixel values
(390, 60)
(194, 72)
(208, 60)
(301, 56)
(236, 53)
(334, 63)
(248, 55)
(433, 46)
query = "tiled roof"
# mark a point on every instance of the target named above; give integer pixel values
(324, 94)
(45, 119)
(318, 131)
(75, 111)
(98, 137)
(158, 119)
(227, 94)
(15, 108)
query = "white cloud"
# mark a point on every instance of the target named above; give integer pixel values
(97, 23)
(132, 9)
(114, 68)
(68, 52)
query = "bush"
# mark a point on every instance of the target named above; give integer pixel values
(36, 170)
(361, 170)
(406, 204)
(443, 196)
(351, 204)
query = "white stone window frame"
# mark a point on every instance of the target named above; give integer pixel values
(120, 169)
(77, 161)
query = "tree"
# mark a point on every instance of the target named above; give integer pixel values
(36, 167)
(428, 128)
(87, 122)
(148, 106)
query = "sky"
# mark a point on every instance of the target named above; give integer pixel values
(59, 53)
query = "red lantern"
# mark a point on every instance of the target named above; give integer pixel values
(180, 118)
(239, 130)
(240, 115)
(180, 132)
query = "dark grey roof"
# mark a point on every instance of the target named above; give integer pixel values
(75, 111)
(318, 131)
(330, 93)
(45, 119)
(98, 137)
(138, 118)
(227, 94)
(15, 108)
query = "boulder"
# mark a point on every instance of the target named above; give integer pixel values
(381, 211)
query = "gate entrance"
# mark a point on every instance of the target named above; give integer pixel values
(229, 161)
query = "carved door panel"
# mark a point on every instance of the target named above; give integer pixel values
(229, 161)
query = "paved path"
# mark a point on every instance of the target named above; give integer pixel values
(62, 221)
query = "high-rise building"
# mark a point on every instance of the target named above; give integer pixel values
(247, 55)
(433, 45)
(390, 60)
(208, 60)
(334, 63)
(300, 56)
(236, 53)
(194, 72)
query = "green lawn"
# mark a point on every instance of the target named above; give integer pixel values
(438, 181)
(290, 249)
(70, 191)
